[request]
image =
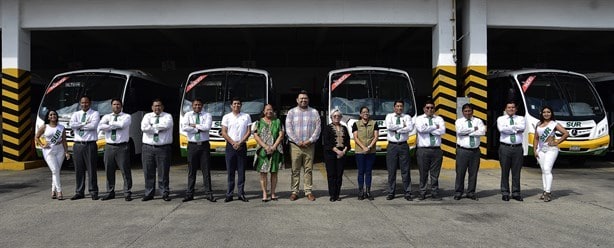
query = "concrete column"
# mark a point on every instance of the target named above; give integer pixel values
(444, 76)
(17, 124)
(474, 70)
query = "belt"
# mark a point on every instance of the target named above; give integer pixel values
(85, 142)
(510, 145)
(429, 147)
(117, 144)
(156, 146)
(397, 143)
(198, 143)
(469, 149)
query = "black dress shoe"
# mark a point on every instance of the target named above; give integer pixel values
(188, 198)
(473, 197)
(95, 197)
(242, 198)
(435, 197)
(77, 197)
(228, 199)
(518, 198)
(109, 196)
(408, 198)
(422, 197)
(147, 198)
(211, 198)
(505, 198)
(337, 198)
(389, 197)
(128, 197)
(457, 197)
(166, 197)
(332, 199)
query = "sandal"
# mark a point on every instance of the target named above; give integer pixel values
(53, 195)
(274, 198)
(547, 197)
(60, 196)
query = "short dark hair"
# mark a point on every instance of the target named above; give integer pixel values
(429, 101)
(85, 96)
(197, 100)
(399, 101)
(158, 100)
(303, 92)
(236, 98)
(116, 100)
(467, 105)
(511, 102)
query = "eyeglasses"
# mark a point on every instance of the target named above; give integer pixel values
(429, 107)
(339, 116)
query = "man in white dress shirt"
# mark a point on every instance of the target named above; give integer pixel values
(398, 125)
(468, 132)
(511, 127)
(157, 128)
(85, 150)
(430, 128)
(116, 128)
(197, 124)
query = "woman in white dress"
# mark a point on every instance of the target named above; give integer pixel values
(54, 150)
(546, 148)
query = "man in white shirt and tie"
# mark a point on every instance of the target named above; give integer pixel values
(116, 128)
(197, 124)
(430, 128)
(85, 150)
(468, 132)
(398, 125)
(511, 127)
(157, 128)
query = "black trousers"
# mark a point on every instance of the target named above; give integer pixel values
(334, 172)
(118, 156)
(156, 158)
(199, 156)
(511, 160)
(85, 157)
(467, 160)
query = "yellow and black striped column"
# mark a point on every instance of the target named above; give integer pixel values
(444, 96)
(17, 124)
(474, 87)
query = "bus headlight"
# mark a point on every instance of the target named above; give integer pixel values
(602, 129)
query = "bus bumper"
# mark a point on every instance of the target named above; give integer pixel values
(595, 147)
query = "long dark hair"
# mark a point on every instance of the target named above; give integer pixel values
(541, 114)
(47, 115)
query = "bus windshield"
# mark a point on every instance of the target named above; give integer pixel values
(570, 96)
(216, 89)
(375, 89)
(64, 93)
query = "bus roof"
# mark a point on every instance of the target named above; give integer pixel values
(230, 69)
(366, 68)
(599, 77)
(505, 73)
(131, 73)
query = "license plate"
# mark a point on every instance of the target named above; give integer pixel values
(574, 148)
(220, 149)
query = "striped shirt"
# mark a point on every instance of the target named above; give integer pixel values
(303, 125)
